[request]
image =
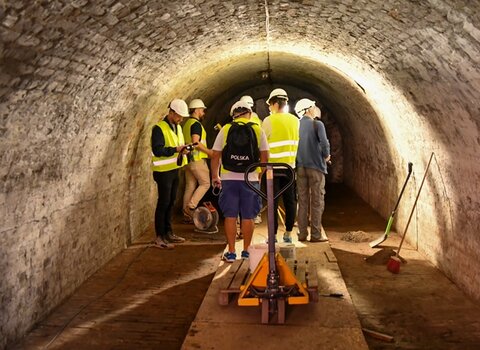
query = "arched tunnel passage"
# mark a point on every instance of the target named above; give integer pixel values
(82, 83)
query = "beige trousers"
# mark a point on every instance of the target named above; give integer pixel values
(311, 194)
(195, 173)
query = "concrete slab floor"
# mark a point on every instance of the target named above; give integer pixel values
(147, 298)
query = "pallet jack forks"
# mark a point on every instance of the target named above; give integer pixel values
(273, 284)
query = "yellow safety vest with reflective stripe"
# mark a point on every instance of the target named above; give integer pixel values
(258, 134)
(196, 153)
(283, 138)
(172, 139)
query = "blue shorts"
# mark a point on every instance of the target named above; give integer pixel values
(237, 198)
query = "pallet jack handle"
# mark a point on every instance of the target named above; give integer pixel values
(273, 277)
(269, 166)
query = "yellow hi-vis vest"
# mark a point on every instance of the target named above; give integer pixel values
(258, 133)
(283, 138)
(172, 139)
(197, 154)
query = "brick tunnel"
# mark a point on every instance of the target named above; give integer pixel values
(82, 83)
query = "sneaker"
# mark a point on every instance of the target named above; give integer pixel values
(287, 237)
(245, 254)
(173, 238)
(258, 219)
(162, 244)
(321, 239)
(188, 212)
(229, 257)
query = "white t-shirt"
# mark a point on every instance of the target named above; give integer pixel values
(218, 146)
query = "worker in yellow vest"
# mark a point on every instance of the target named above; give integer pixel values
(167, 144)
(196, 172)
(282, 131)
(254, 119)
(238, 145)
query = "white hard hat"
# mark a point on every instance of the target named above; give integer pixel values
(302, 106)
(240, 104)
(196, 103)
(247, 99)
(318, 112)
(278, 93)
(179, 106)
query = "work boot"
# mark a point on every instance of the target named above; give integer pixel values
(162, 243)
(173, 238)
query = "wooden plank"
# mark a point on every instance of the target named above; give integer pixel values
(241, 276)
(230, 275)
(330, 256)
(312, 282)
(300, 272)
(234, 278)
(312, 276)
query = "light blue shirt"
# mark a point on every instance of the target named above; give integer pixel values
(312, 150)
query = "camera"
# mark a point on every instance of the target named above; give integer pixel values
(189, 148)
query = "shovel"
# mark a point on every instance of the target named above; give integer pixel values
(383, 237)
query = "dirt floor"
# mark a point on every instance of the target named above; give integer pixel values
(147, 298)
(419, 307)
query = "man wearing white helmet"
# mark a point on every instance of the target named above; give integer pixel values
(312, 157)
(281, 129)
(249, 100)
(167, 142)
(196, 172)
(236, 198)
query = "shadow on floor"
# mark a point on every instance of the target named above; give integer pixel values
(145, 298)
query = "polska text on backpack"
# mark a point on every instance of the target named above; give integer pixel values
(241, 148)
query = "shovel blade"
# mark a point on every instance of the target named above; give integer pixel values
(383, 237)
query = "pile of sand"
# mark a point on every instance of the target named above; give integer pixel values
(356, 236)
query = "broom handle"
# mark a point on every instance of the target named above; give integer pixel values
(414, 205)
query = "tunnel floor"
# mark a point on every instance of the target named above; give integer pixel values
(147, 298)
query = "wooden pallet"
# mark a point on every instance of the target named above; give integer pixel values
(235, 277)
(239, 272)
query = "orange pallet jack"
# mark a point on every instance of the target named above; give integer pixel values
(273, 284)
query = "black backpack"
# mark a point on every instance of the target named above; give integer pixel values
(241, 148)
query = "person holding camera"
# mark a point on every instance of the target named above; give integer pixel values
(196, 171)
(168, 155)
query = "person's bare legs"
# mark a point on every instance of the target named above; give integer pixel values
(230, 225)
(247, 226)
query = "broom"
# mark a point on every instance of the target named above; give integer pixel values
(393, 264)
